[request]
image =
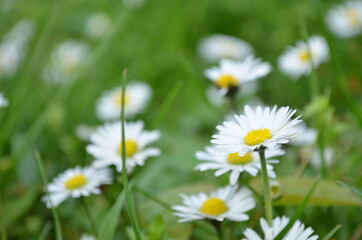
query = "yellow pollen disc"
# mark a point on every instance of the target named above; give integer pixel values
(75, 182)
(234, 158)
(118, 99)
(275, 190)
(213, 207)
(256, 137)
(305, 56)
(352, 16)
(131, 148)
(226, 81)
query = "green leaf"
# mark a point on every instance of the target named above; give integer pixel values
(353, 189)
(109, 224)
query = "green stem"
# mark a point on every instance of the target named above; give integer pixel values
(128, 196)
(218, 229)
(234, 103)
(267, 197)
(91, 220)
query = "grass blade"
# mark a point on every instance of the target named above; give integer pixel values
(58, 230)
(353, 189)
(45, 231)
(332, 232)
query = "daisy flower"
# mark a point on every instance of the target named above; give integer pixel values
(316, 161)
(87, 237)
(3, 101)
(232, 74)
(136, 97)
(235, 164)
(305, 136)
(256, 128)
(218, 46)
(75, 183)
(298, 230)
(84, 132)
(300, 60)
(224, 203)
(97, 25)
(276, 189)
(346, 20)
(66, 58)
(106, 145)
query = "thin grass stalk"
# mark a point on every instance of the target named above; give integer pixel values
(267, 195)
(128, 196)
(89, 216)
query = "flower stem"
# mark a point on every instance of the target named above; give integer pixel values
(91, 220)
(218, 229)
(267, 198)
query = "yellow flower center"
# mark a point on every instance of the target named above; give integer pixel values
(131, 148)
(213, 206)
(75, 182)
(234, 158)
(118, 99)
(352, 16)
(226, 81)
(305, 56)
(256, 137)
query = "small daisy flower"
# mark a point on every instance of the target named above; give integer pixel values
(3, 101)
(218, 46)
(75, 183)
(297, 231)
(224, 203)
(316, 161)
(66, 58)
(300, 60)
(106, 145)
(305, 136)
(235, 164)
(232, 74)
(346, 20)
(256, 128)
(136, 98)
(98, 25)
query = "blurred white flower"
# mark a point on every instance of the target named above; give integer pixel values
(87, 237)
(316, 160)
(106, 145)
(304, 136)
(231, 75)
(222, 162)
(255, 128)
(3, 101)
(276, 188)
(134, 4)
(346, 20)
(75, 183)
(13, 46)
(84, 132)
(98, 25)
(224, 203)
(66, 58)
(218, 46)
(297, 231)
(301, 59)
(136, 98)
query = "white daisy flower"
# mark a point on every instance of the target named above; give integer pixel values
(300, 60)
(219, 46)
(232, 162)
(305, 136)
(3, 101)
(84, 132)
(106, 145)
(136, 97)
(224, 203)
(255, 128)
(276, 189)
(297, 232)
(87, 237)
(346, 20)
(316, 161)
(98, 25)
(76, 182)
(66, 58)
(12, 47)
(232, 74)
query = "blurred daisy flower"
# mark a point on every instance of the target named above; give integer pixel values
(232, 162)
(3, 101)
(346, 20)
(136, 98)
(276, 188)
(300, 60)
(297, 231)
(84, 132)
(255, 128)
(106, 145)
(98, 25)
(230, 75)
(225, 203)
(316, 160)
(305, 136)
(75, 183)
(87, 237)
(218, 46)
(12, 47)
(66, 58)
